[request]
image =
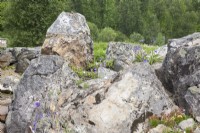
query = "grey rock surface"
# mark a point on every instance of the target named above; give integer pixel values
(106, 73)
(159, 129)
(69, 37)
(2, 128)
(189, 123)
(197, 130)
(8, 84)
(120, 104)
(24, 57)
(193, 99)
(35, 99)
(47, 98)
(181, 67)
(162, 51)
(123, 54)
(6, 58)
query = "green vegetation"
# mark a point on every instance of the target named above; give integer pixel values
(154, 57)
(170, 120)
(109, 64)
(107, 34)
(25, 22)
(136, 37)
(9, 67)
(85, 85)
(83, 74)
(100, 51)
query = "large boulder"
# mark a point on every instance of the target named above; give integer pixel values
(118, 105)
(123, 54)
(35, 99)
(48, 100)
(69, 37)
(181, 67)
(193, 99)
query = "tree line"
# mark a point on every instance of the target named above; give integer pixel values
(24, 22)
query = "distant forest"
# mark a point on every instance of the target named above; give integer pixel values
(24, 22)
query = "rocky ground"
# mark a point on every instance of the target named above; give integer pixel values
(9, 78)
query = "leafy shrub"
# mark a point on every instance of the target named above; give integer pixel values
(84, 75)
(121, 37)
(154, 57)
(109, 64)
(107, 34)
(140, 56)
(93, 30)
(92, 66)
(160, 40)
(100, 51)
(136, 37)
(170, 120)
(143, 56)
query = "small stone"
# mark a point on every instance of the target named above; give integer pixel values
(197, 130)
(106, 73)
(6, 101)
(2, 128)
(189, 123)
(3, 110)
(159, 129)
(3, 113)
(198, 118)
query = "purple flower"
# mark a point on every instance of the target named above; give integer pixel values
(145, 61)
(37, 104)
(95, 69)
(41, 116)
(156, 52)
(34, 126)
(136, 48)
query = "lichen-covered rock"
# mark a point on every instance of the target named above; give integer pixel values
(20, 56)
(193, 99)
(120, 105)
(69, 37)
(6, 58)
(2, 128)
(181, 66)
(24, 58)
(8, 84)
(36, 96)
(123, 54)
(106, 73)
(47, 99)
(189, 123)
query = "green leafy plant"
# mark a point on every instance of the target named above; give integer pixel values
(170, 120)
(140, 56)
(78, 82)
(100, 51)
(154, 57)
(83, 74)
(9, 67)
(92, 65)
(85, 85)
(109, 64)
